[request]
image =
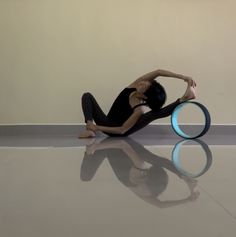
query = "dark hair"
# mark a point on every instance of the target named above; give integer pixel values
(156, 95)
(157, 180)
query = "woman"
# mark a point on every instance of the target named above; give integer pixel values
(127, 114)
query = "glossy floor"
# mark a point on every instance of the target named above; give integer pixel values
(117, 187)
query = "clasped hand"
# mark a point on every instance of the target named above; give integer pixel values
(92, 126)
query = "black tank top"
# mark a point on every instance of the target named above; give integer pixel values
(121, 110)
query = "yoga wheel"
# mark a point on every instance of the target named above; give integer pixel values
(186, 110)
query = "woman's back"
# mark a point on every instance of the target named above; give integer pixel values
(121, 110)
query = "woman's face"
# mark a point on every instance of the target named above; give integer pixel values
(143, 86)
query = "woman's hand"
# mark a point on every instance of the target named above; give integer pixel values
(92, 126)
(190, 81)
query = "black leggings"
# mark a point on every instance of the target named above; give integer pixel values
(92, 111)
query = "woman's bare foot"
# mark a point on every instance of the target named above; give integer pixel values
(190, 94)
(87, 134)
(191, 182)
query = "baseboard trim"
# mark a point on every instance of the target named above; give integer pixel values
(75, 129)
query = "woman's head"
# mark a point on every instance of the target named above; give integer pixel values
(156, 95)
(151, 182)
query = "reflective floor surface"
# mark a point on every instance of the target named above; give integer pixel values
(113, 187)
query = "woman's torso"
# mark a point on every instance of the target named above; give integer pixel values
(122, 107)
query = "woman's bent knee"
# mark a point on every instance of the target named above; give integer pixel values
(86, 96)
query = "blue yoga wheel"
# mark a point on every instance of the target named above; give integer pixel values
(181, 129)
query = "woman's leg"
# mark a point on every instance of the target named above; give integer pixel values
(92, 112)
(151, 116)
(90, 164)
(91, 109)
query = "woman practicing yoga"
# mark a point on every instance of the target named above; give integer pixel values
(127, 114)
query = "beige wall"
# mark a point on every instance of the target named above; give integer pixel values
(51, 51)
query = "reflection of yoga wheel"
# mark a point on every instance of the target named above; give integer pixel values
(202, 128)
(176, 159)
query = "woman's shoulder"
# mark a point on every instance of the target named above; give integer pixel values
(128, 90)
(131, 86)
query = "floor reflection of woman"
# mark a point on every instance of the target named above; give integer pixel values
(137, 168)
